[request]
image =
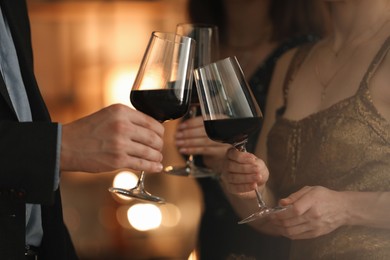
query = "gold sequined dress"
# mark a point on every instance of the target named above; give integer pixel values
(345, 148)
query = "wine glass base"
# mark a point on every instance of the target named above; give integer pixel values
(265, 211)
(190, 171)
(137, 193)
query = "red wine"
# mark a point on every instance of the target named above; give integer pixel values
(161, 104)
(231, 130)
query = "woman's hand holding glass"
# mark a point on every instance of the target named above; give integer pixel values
(191, 138)
(230, 113)
(310, 212)
(242, 173)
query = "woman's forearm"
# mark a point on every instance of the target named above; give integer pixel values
(371, 209)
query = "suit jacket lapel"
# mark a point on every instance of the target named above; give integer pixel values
(17, 15)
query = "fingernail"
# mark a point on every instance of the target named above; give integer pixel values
(159, 168)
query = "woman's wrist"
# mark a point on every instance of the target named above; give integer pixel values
(367, 209)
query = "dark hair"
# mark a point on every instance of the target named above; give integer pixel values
(296, 18)
(289, 18)
(208, 11)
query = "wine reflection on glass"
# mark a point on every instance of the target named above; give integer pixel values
(162, 89)
(230, 112)
(206, 51)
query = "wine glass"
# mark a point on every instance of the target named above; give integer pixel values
(162, 88)
(206, 51)
(230, 111)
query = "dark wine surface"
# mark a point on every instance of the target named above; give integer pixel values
(161, 104)
(231, 130)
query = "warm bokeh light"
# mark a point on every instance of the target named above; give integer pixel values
(121, 217)
(125, 180)
(170, 215)
(153, 79)
(144, 217)
(118, 85)
(193, 256)
(120, 80)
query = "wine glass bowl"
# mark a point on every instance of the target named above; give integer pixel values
(162, 89)
(206, 51)
(161, 104)
(234, 131)
(230, 111)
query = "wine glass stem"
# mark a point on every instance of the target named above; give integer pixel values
(260, 201)
(191, 114)
(241, 146)
(140, 184)
(190, 160)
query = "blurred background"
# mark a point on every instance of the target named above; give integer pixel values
(86, 56)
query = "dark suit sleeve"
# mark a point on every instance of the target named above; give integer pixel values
(27, 150)
(28, 159)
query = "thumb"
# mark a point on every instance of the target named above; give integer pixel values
(294, 196)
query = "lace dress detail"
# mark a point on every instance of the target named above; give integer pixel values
(344, 147)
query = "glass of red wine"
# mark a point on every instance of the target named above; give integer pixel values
(206, 51)
(230, 111)
(162, 89)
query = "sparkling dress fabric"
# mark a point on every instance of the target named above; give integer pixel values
(345, 148)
